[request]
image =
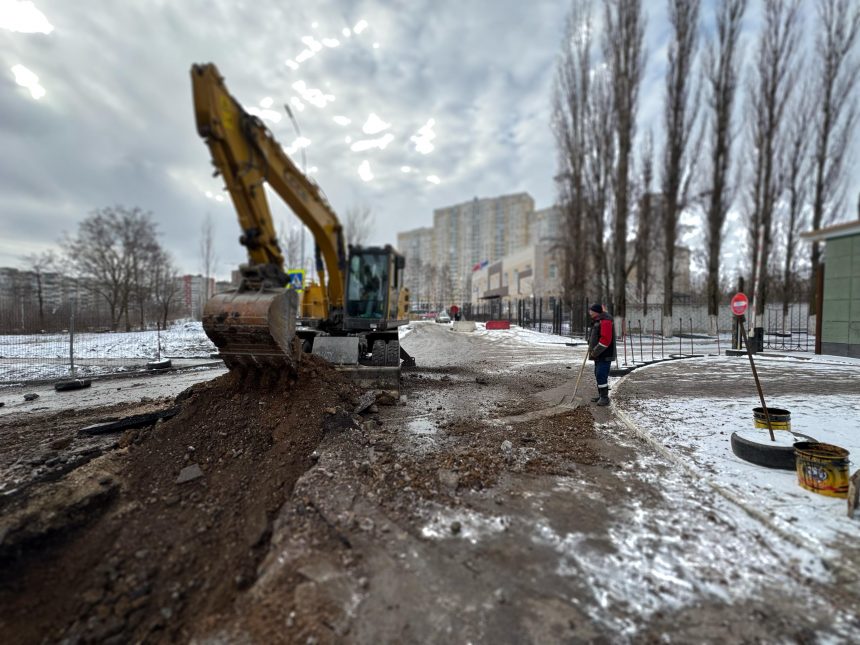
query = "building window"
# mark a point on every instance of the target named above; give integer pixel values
(553, 271)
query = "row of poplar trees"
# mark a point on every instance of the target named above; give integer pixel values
(762, 128)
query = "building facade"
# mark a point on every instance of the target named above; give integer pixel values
(482, 230)
(838, 332)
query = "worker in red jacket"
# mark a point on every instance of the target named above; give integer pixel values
(601, 349)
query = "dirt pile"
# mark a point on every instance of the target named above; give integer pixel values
(167, 531)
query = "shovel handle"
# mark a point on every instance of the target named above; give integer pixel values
(579, 378)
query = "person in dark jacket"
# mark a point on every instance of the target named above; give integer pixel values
(601, 349)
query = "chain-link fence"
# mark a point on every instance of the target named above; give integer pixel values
(52, 356)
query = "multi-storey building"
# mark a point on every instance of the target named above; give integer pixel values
(417, 247)
(193, 294)
(476, 232)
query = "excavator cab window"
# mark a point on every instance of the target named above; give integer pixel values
(367, 285)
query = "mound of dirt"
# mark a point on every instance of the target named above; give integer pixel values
(168, 530)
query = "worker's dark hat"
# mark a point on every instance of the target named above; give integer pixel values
(596, 308)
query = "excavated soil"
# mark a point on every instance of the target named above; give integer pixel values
(123, 550)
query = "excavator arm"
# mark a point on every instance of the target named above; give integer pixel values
(246, 154)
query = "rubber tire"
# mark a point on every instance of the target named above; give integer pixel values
(76, 384)
(378, 353)
(392, 353)
(777, 457)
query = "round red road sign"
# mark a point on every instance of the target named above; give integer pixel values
(739, 304)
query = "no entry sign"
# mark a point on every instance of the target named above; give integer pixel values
(739, 304)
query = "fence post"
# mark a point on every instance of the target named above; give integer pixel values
(540, 313)
(680, 336)
(72, 334)
(640, 340)
(691, 336)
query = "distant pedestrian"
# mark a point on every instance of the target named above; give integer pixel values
(601, 349)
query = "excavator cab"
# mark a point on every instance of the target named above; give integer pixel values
(374, 289)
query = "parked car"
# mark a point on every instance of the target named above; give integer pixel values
(443, 317)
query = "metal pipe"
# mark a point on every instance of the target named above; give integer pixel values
(755, 376)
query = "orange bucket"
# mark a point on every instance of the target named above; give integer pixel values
(822, 468)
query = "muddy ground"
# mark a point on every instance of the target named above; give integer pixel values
(469, 510)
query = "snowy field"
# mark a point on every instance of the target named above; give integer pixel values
(46, 356)
(696, 428)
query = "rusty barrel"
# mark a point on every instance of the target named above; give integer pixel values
(779, 419)
(822, 468)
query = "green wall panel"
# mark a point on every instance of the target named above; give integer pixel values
(834, 332)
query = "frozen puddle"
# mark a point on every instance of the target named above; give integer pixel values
(464, 524)
(421, 426)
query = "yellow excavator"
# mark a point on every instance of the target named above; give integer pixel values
(350, 317)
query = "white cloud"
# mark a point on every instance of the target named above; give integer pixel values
(341, 120)
(28, 79)
(360, 26)
(433, 179)
(266, 115)
(23, 17)
(364, 171)
(424, 137)
(367, 144)
(374, 125)
(312, 95)
(296, 145)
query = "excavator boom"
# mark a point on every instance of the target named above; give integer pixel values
(255, 325)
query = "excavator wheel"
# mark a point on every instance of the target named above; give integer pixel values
(378, 353)
(392, 353)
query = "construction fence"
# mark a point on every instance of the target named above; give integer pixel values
(62, 354)
(783, 328)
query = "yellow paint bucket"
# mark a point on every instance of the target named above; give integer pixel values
(822, 468)
(779, 419)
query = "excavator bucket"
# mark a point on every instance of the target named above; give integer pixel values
(253, 328)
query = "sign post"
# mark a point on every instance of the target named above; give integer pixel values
(739, 306)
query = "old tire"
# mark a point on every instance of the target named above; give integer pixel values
(378, 353)
(392, 353)
(780, 457)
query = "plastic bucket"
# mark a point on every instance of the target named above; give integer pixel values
(779, 419)
(822, 468)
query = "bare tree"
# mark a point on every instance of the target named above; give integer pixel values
(795, 170)
(571, 118)
(646, 224)
(837, 71)
(208, 258)
(165, 286)
(100, 255)
(768, 92)
(291, 242)
(721, 78)
(601, 154)
(625, 31)
(142, 250)
(39, 264)
(679, 116)
(358, 224)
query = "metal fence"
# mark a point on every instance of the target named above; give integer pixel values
(52, 356)
(789, 328)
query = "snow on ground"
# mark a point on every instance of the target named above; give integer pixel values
(699, 428)
(46, 356)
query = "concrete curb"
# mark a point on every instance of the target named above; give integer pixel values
(833, 561)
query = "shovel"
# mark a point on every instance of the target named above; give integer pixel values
(574, 402)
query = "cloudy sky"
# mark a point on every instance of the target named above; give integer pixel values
(404, 106)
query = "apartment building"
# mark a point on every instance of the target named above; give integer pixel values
(417, 247)
(193, 294)
(479, 231)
